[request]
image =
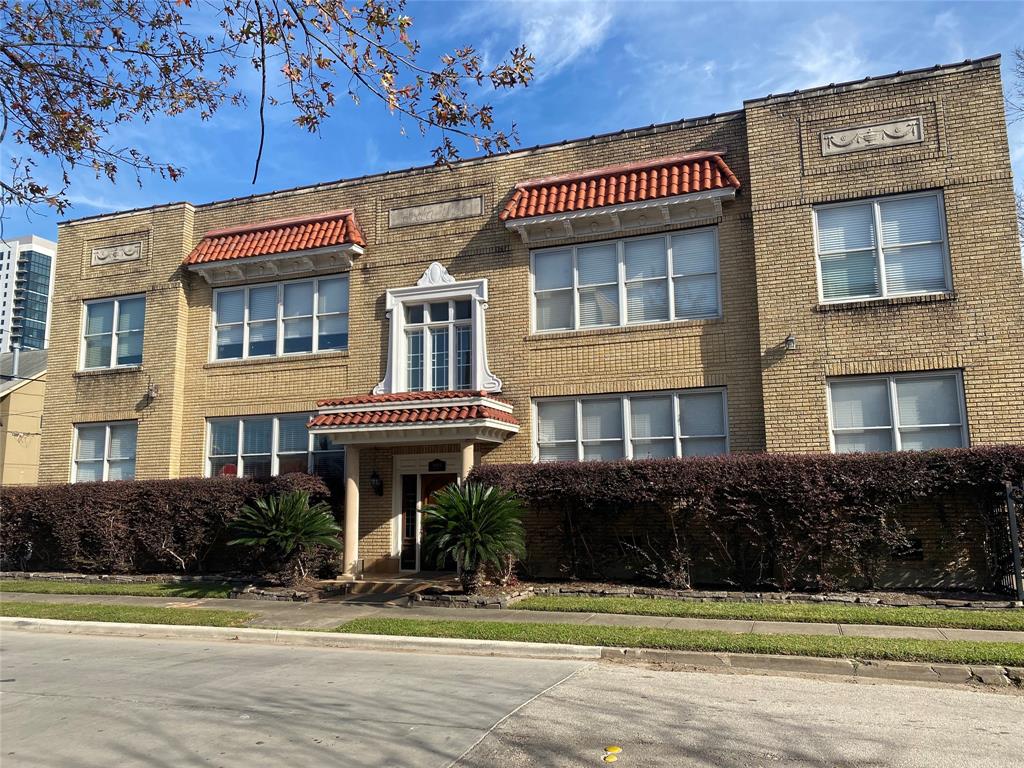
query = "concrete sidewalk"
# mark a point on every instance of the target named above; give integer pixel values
(328, 615)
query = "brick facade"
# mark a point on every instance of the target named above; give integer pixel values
(776, 399)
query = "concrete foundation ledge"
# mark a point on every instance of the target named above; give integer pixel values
(877, 670)
(307, 638)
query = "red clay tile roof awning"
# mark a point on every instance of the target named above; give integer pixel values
(616, 185)
(411, 416)
(409, 397)
(475, 410)
(301, 233)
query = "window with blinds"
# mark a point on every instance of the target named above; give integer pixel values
(263, 446)
(113, 332)
(105, 451)
(906, 412)
(629, 281)
(888, 246)
(274, 319)
(632, 426)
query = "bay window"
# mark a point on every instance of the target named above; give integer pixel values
(113, 332)
(262, 446)
(886, 246)
(275, 319)
(439, 344)
(628, 281)
(105, 451)
(904, 412)
(632, 426)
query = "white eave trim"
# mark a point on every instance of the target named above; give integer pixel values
(614, 213)
(488, 430)
(313, 261)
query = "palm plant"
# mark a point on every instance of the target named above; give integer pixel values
(475, 526)
(286, 528)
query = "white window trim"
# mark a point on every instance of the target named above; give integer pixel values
(279, 318)
(884, 293)
(429, 327)
(894, 428)
(275, 453)
(436, 285)
(116, 300)
(106, 446)
(620, 247)
(627, 429)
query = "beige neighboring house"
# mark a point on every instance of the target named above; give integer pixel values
(22, 389)
(835, 269)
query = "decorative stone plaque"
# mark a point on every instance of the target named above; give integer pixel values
(892, 134)
(116, 253)
(432, 213)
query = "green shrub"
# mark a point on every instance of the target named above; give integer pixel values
(475, 526)
(286, 531)
(815, 521)
(137, 526)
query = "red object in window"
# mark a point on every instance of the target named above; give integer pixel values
(229, 470)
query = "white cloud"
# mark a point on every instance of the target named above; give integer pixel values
(557, 33)
(828, 51)
(946, 27)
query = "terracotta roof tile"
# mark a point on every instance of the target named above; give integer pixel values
(410, 397)
(428, 415)
(614, 185)
(280, 236)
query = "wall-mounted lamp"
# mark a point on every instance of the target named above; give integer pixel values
(790, 342)
(376, 484)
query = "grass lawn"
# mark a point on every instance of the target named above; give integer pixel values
(934, 651)
(131, 614)
(821, 613)
(44, 587)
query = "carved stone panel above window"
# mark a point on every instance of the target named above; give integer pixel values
(117, 253)
(879, 135)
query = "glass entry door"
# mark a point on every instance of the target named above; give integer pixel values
(418, 491)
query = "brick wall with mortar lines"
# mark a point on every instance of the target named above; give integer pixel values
(767, 290)
(978, 330)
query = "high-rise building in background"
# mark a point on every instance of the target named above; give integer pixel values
(26, 291)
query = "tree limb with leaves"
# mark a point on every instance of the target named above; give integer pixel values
(73, 71)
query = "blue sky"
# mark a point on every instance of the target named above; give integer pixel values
(601, 65)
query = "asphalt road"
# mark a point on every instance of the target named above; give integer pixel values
(87, 701)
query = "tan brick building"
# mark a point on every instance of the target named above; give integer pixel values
(833, 269)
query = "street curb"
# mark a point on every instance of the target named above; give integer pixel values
(308, 638)
(897, 671)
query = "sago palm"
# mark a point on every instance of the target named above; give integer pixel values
(475, 526)
(286, 527)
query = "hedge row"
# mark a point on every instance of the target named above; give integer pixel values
(810, 521)
(141, 526)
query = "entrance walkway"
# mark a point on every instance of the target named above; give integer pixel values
(328, 615)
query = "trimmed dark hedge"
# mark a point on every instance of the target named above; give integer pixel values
(142, 526)
(786, 520)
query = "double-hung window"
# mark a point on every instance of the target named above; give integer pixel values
(439, 345)
(113, 332)
(888, 246)
(632, 426)
(907, 412)
(628, 281)
(262, 446)
(105, 451)
(276, 319)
